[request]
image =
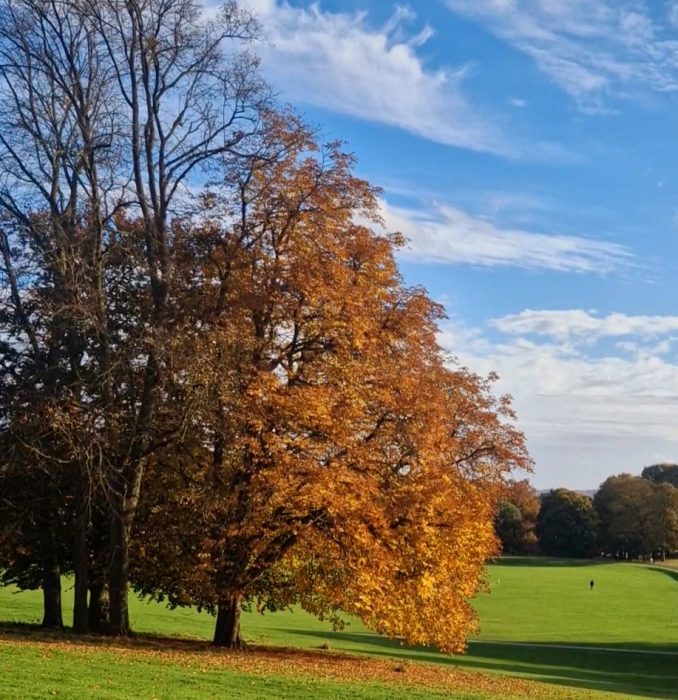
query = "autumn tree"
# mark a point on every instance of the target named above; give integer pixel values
(567, 525)
(415, 578)
(34, 542)
(516, 518)
(247, 361)
(334, 459)
(109, 110)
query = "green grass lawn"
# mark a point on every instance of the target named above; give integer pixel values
(102, 674)
(534, 602)
(631, 605)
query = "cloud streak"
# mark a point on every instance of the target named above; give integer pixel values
(446, 234)
(593, 49)
(584, 325)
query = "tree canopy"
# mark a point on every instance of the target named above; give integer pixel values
(337, 460)
(567, 525)
(664, 473)
(215, 385)
(516, 518)
(637, 516)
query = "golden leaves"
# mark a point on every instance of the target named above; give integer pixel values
(333, 457)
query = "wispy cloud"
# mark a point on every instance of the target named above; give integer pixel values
(342, 62)
(444, 234)
(593, 49)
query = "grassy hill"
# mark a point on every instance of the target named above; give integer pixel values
(541, 621)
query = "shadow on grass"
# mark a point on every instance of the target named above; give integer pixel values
(553, 562)
(142, 640)
(591, 666)
(671, 573)
(597, 666)
(547, 562)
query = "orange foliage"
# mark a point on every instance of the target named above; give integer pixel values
(334, 456)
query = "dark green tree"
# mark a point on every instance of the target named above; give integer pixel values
(508, 524)
(665, 473)
(638, 516)
(34, 537)
(567, 525)
(666, 519)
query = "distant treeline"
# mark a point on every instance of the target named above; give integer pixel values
(628, 517)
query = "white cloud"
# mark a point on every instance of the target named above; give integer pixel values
(584, 325)
(261, 7)
(591, 48)
(339, 61)
(448, 235)
(585, 416)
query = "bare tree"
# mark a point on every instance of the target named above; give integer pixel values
(110, 113)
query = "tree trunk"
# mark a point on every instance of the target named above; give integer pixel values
(51, 594)
(118, 577)
(227, 628)
(121, 529)
(51, 581)
(80, 562)
(98, 613)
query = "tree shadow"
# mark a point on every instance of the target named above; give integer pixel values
(659, 569)
(649, 670)
(538, 561)
(34, 632)
(608, 667)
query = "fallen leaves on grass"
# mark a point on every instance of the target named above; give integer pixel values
(270, 661)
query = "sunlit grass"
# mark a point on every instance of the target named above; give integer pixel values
(536, 602)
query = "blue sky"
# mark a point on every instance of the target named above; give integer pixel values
(527, 149)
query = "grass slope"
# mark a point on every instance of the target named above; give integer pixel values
(538, 602)
(37, 672)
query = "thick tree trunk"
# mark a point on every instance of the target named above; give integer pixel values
(80, 562)
(98, 612)
(51, 581)
(51, 593)
(227, 628)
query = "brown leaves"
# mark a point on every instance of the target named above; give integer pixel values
(268, 661)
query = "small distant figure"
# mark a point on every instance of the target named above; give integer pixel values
(651, 560)
(592, 583)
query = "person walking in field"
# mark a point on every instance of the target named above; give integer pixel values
(592, 583)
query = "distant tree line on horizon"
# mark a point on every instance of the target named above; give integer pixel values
(628, 517)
